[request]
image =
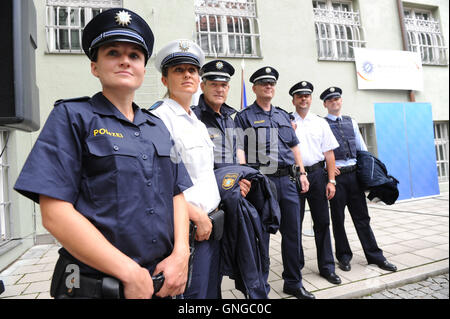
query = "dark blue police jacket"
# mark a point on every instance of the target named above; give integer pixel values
(248, 222)
(372, 175)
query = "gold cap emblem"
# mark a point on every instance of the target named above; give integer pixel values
(219, 65)
(123, 18)
(303, 83)
(184, 46)
(268, 70)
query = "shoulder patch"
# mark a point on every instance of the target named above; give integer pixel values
(155, 106)
(279, 108)
(76, 99)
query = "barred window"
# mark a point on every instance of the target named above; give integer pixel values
(441, 144)
(338, 29)
(227, 28)
(66, 19)
(5, 216)
(425, 36)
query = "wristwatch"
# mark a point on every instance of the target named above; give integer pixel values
(303, 173)
(332, 181)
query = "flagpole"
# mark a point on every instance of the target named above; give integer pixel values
(242, 84)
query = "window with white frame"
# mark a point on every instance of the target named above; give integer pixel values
(338, 29)
(441, 144)
(425, 36)
(368, 134)
(66, 19)
(227, 28)
(5, 223)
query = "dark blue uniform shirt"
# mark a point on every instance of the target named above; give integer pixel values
(220, 129)
(117, 174)
(264, 144)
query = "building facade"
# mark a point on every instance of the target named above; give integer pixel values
(309, 40)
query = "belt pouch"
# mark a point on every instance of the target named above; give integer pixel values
(218, 220)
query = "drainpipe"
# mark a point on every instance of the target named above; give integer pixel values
(411, 95)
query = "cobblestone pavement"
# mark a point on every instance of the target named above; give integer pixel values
(431, 288)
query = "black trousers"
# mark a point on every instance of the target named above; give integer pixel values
(318, 204)
(350, 194)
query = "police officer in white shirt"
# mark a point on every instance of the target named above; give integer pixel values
(179, 62)
(316, 146)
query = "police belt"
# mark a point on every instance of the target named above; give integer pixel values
(347, 169)
(283, 171)
(86, 287)
(315, 167)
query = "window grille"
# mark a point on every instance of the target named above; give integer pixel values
(368, 135)
(424, 36)
(66, 19)
(5, 221)
(441, 144)
(338, 30)
(227, 28)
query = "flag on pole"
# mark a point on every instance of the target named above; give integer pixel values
(243, 92)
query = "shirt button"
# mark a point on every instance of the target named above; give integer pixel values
(151, 211)
(144, 157)
(137, 134)
(154, 241)
(149, 183)
(116, 148)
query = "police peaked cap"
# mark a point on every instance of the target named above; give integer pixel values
(303, 87)
(217, 70)
(117, 24)
(330, 93)
(265, 74)
(180, 51)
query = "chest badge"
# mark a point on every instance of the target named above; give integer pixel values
(229, 180)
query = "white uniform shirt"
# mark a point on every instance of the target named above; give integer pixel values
(315, 138)
(193, 144)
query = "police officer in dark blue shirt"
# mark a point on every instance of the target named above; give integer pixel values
(102, 174)
(268, 141)
(213, 111)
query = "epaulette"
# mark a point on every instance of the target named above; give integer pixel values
(155, 106)
(75, 99)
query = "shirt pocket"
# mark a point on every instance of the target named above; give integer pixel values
(109, 163)
(196, 153)
(286, 133)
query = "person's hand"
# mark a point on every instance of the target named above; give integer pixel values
(204, 227)
(294, 125)
(330, 191)
(245, 186)
(305, 183)
(175, 270)
(139, 284)
(337, 171)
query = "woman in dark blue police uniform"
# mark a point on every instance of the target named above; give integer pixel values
(102, 174)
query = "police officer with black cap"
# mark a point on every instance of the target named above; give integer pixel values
(348, 191)
(101, 172)
(213, 111)
(316, 146)
(268, 141)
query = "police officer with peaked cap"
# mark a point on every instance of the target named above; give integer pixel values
(179, 62)
(217, 115)
(348, 191)
(316, 146)
(101, 172)
(268, 141)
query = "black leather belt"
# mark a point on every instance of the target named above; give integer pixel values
(315, 167)
(347, 169)
(283, 171)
